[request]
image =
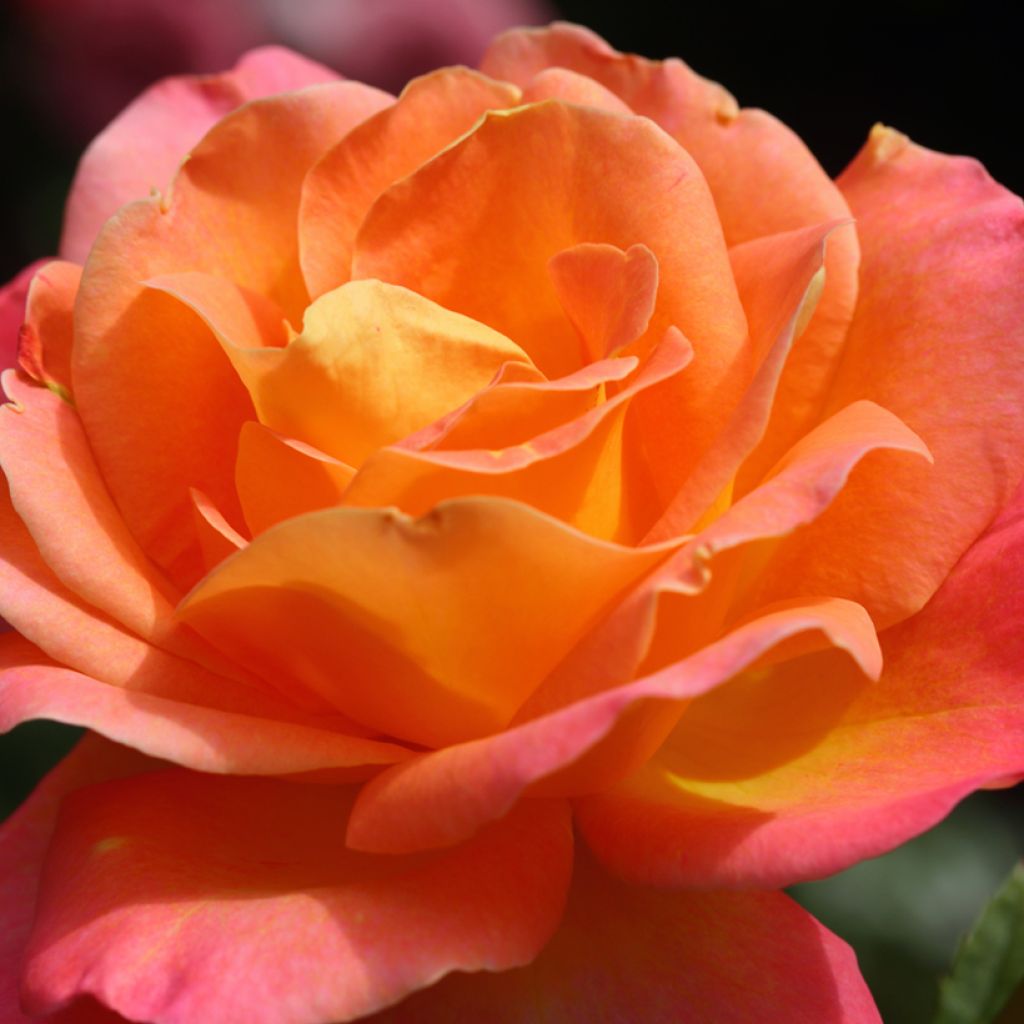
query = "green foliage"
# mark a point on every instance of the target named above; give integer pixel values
(989, 964)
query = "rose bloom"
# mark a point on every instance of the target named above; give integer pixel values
(496, 538)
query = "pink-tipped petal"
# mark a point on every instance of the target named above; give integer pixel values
(148, 375)
(937, 339)
(750, 792)
(205, 739)
(59, 494)
(646, 955)
(401, 809)
(141, 148)
(178, 897)
(13, 297)
(24, 838)
(44, 342)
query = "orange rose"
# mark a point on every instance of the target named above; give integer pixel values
(554, 444)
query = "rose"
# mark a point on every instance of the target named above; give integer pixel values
(541, 473)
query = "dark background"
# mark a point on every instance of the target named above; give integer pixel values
(946, 72)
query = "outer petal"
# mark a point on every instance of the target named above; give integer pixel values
(12, 312)
(432, 112)
(141, 148)
(763, 178)
(796, 776)
(23, 841)
(44, 342)
(433, 629)
(60, 496)
(398, 810)
(633, 954)
(148, 375)
(176, 897)
(203, 738)
(938, 339)
(45, 612)
(474, 230)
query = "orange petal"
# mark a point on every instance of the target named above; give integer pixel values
(141, 148)
(578, 472)
(775, 277)
(179, 896)
(570, 87)
(432, 112)
(217, 537)
(805, 483)
(934, 229)
(373, 363)
(609, 295)
(763, 179)
(44, 343)
(396, 811)
(625, 953)
(475, 229)
(203, 738)
(60, 496)
(519, 404)
(44, 611)
(805, 771)
(433, 629)
(148, 376)
(278, 478)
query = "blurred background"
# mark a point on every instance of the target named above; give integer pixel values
(947, 72)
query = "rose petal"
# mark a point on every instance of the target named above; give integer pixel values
(578, 472)
(569, 87)
(521, 403)
(608, 294)
(217, 537)
(278, 478)
(432, 112)
(44, 342)
(141, 148)
(206, 739)
(13, 296)
(475, 228)
(763, 178)
(364, 372)
(935, 231)
(635, 954)
(432, 629)
(397, 812)
(799, 776)
(775, 276)
(176, 896)
(44, 611)
(232, 213)
(60, 496)
(23, 841)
